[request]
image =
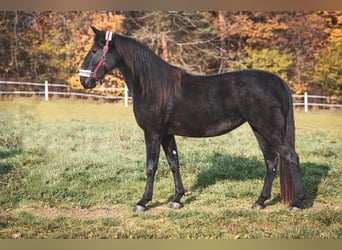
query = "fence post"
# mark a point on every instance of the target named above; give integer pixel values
(126, 96)
(46, 91)
(306, 102)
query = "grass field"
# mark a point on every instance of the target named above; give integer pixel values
(75, 169)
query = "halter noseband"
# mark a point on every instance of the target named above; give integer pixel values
(89, 73)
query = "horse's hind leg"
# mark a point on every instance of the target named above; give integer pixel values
(290, 160)
(271, 161)
(170, 149)
(279, 150)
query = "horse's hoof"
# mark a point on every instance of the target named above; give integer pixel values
(175, 205)
(257, 206)
(295, 209)
(139, 209)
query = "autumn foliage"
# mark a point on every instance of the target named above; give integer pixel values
(305, 48)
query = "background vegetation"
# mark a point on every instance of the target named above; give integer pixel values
(76, 168)
(303, 47)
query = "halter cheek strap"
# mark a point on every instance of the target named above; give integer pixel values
(89, 73)
(109, 36)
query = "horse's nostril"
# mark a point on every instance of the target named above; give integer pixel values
(88, 83)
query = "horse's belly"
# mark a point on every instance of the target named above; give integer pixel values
(204, 129)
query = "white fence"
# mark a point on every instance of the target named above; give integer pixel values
(306, 103)
(46, 92)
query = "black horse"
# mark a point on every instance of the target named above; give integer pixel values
(168, 101)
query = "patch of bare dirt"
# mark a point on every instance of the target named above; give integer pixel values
(5, 213)
(77, 212)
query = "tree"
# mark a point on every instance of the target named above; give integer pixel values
(184, 39)
(298, 34)
(270, 60)
(15, 45)
(328, 70)
(54, 49)
(51, 45)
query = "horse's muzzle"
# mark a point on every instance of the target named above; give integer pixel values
(88, 82)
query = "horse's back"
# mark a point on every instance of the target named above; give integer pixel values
(215, 104)
(238, 88)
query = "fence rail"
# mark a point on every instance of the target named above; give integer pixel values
(306, 104)
(35, 84)
(48, 92)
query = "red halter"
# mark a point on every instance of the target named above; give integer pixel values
(89, 73)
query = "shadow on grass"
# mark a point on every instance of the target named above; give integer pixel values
(225, 167)
(312, 175)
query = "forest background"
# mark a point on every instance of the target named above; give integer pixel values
(304, 48)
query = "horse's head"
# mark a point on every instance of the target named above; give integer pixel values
(100, 59)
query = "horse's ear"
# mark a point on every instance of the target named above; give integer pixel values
(96, 31)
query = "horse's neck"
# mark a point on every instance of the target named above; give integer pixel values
(130, 80)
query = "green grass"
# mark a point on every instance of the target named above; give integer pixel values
(75, 169)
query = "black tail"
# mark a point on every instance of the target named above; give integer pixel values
(286, 183)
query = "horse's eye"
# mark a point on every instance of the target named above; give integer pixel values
(93, 50)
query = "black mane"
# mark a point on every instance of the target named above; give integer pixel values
(157, 78)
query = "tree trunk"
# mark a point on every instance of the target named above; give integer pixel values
(222, 29)
(15, 44)
(164, 47)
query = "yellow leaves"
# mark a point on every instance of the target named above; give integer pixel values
(298, 89)
(328, 71)
(74, 81)
(108, 22)
(266, 30)
(242, 26)
(256, 31)
(336, 36)
(64, 40)
(270, 60)
(333, 26)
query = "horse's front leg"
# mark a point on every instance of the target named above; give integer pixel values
(170, 149)
(152, 142)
